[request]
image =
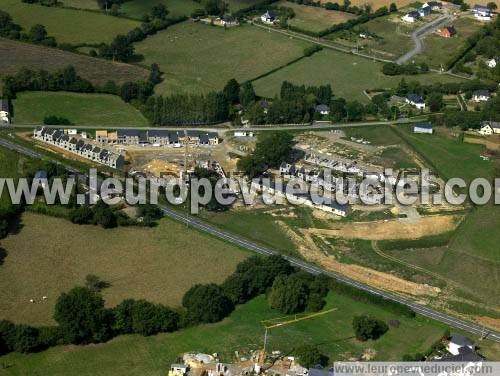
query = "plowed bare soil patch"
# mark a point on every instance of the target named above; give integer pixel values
(393, 229)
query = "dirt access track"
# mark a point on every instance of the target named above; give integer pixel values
(392, 229)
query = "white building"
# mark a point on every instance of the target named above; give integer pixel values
(492, 63)
(411, 17)
(416, 101)
(481, 96)
(489, 127)
(243, 134)
(269, 17)
(481, 13)
(457, 342)
(4, 111)
(423, 128)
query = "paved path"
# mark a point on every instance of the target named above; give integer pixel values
(310, 268)
(421, 32)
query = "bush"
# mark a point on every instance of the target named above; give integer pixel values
(56, 120)
(366, 327)
(206, 303)
(145, 318)
(310, 356)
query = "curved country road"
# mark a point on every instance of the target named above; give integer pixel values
(422, 31)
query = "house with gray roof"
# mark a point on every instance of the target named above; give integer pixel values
(4, 111)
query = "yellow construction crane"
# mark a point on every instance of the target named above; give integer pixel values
(272, 324)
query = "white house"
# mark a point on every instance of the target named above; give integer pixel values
(434, 5)
(481, 12)
(411, 17)
(489, 127)
(4, 111)
(492, 63)
(424, 11)
(323, 109)
(416, 101)
(243, 134)
(228, 20)
(480, 95)
(269, 17)
(178, 370)
(423, 128)
(457, 342)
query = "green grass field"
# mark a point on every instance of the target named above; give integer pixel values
(314, 18)
(16, 55)
(140, 8)
(68, 25)
(348, 75)
(439, 50)
(242, 331)
(80, 4)
(158, 264)
(200, 58)
(80, 109)
(473, 249)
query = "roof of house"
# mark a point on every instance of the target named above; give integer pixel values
(495, 124)
(481, 8)
(415, 98)
(322, 107)
(228, 18)
(461, 340)
(413, 14)
(4, 105)
(158, 133)
(425, 9)
(270, 14)
(423, 125)
(481, 93)
(465, 354)
(128, 132)
(212, 135)
(450, 29)
(434, 4)
(41, 174)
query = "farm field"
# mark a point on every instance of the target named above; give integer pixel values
(347, 74)
(469, 252)
(158, 264)
(439, 50)
(81, 4)
(139, 8)
(314, 18)
(390, 37)
(68, 25)
(80, 109)
(242, 331)
(376, 3)
(17, 55)
(200, 58)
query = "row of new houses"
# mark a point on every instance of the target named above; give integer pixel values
(157, 137)
(480, 12)
(78, 146)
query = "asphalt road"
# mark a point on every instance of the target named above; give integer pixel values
(313, 269)
(221, 127)
(419, 34)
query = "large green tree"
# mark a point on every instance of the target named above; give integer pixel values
(366, 327)
(81, 316)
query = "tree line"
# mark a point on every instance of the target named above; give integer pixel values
(393, 69)
(82, 317)
(37, 33)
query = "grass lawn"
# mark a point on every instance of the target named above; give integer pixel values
(348, 75)
(242, 331)
(391, 37)
(80, 109)
(140, 8)
(158, 264)
(200, 58)
(16, 55)
(439, 50)
(378, 135)
(314, 18)
(68, 25)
